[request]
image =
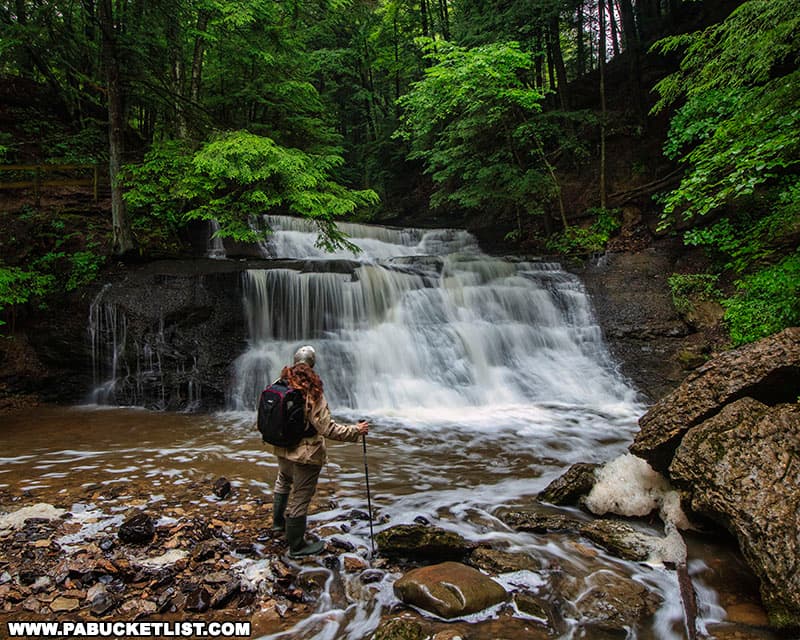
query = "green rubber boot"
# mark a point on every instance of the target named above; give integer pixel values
(295, 535)
(279, 501)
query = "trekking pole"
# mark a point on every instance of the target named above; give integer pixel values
(369, 498)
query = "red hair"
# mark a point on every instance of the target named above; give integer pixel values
(303, 377)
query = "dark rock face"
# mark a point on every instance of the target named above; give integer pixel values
(449, 589)
(742, 468)
(767, 370)
(634, 307)
(164, 337)
(161, 335)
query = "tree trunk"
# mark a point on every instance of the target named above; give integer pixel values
(444, 16)
(581, 55)
(122, 238)
(197, 57)
(551, 73)
(601, 51)
(396, 67)
(423, 9)
(25, 62)
(176, 77)
(558, 62)
(632, 46)
(612, 21)
(538, 63)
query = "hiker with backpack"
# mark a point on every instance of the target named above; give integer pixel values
(305, 420)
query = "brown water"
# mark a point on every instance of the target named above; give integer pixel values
(457, 477)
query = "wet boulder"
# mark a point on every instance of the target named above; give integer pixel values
(449, 589)
(741, 468)
(399, 629)
(222, 488)
(419, 541)
(615, 536)
(767, 370)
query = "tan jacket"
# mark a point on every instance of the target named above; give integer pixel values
(312, 450)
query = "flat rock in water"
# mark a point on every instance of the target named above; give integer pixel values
(741, 468)
(449, 589)
(419, 541)
(62, 604)
(495, 561)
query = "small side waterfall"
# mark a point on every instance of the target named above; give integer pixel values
(425, 328)
(214, 247)
(141, 369)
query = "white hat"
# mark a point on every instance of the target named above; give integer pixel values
(305, 354)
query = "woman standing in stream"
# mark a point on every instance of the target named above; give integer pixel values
(300, 466)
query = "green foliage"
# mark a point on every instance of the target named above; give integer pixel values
(748, 236)
(687, 286)
(765, 302)
(738, 135)
(84, 268)
(86, 146)
(18, 286)
(471, 120)
(740, 127)
(237, 176)
(581, 241)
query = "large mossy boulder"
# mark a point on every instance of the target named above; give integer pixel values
(767, 370)
(742, 469)
(449, 589)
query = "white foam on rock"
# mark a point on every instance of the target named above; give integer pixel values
(627, 486)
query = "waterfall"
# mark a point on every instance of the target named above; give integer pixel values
(214, 246)
(137, 368)
(425, 328)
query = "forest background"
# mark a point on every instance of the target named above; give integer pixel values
(548, 126)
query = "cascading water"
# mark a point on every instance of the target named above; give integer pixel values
(484, 378)
(426, 327)
(215, 249)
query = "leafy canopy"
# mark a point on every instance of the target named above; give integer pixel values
(739, 128)
(471, 119)
(237, 176)
(738, 133)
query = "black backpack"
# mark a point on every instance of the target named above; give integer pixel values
(281, 415)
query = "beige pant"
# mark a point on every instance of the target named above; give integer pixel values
(300, 482)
